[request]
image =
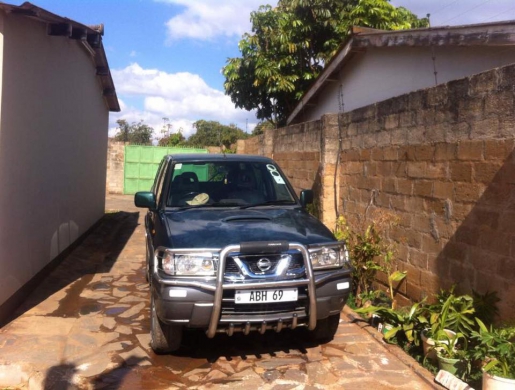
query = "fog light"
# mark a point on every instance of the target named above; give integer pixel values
(178, 293)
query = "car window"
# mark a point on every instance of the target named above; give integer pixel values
(158, 183)
(226, 183)
(158, 176)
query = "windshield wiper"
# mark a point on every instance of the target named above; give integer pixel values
(270, 203)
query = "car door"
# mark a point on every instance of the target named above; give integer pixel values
(150, 218)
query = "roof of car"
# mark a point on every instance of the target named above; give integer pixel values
(198, 157)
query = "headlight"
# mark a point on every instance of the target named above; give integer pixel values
(328, 257)
(194, 264)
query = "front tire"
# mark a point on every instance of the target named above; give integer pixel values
(164, 338)
(147, 264)
(325, 329)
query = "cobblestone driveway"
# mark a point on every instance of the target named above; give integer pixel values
(87, 327)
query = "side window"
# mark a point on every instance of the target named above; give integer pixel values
(158, 183)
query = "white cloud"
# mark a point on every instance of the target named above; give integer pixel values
(182, 97)
(134, 115)
(134, 80)
(207, 19)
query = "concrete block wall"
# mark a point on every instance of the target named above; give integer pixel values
(115, 167)
(297, 150)
(252, 145)
(442, 159)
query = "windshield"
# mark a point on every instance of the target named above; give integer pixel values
(227, 183)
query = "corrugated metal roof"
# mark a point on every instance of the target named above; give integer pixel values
(88, 36)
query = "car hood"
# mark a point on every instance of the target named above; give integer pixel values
(215, 228)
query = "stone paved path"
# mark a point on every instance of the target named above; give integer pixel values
(86, 327)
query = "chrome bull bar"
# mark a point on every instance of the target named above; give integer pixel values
(220, 286)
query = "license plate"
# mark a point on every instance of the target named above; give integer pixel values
(266, 296)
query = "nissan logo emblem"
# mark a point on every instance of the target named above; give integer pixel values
(264, 264)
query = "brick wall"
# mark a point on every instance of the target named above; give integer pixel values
(297, 149)
(441, 159)
(115, 166)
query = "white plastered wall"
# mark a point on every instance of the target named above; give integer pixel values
(53, 147)
(381, 73)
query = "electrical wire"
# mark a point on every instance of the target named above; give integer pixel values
(467, 11)
(444, 7)
(500, 13)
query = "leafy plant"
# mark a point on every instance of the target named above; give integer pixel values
(370, 253)
(351, 301)
(393, 276)
(452, 353)
(485, 306)
(405, 323)
(496, 348)
(314, 210)
(365, 247)
(341, 230)
(452, 312)
(452, 346)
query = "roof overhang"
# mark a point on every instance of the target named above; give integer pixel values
(89, 37)
(361, 39)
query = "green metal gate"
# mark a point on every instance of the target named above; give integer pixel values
(141, 163)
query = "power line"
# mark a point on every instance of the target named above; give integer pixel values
(444, 7)
(467, 11)
(500, 13)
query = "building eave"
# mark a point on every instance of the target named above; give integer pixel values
(362, 38)
(486, 34)
(89, 37)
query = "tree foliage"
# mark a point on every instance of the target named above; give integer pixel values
(167, 137)
(212, 133)
(134, 133)
(174, 139)
(261, 127)
(290, 44)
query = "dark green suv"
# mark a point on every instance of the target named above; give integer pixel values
(230, 248)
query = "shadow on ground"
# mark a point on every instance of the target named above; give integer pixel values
(97, 253)
(198, 346)
(198, 352)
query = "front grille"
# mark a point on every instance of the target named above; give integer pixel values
(231, 267)
(296, 264)
(252, 263)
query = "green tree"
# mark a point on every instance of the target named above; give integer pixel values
(261, 127)
(290, 44)
(167, 137)
(173, 139)
(212, 133)
(135, 133)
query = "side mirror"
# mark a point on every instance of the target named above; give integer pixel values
(306, 197)
(145, 199)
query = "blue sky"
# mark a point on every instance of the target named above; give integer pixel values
(166, 55)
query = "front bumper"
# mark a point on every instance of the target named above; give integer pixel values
(203, 303)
